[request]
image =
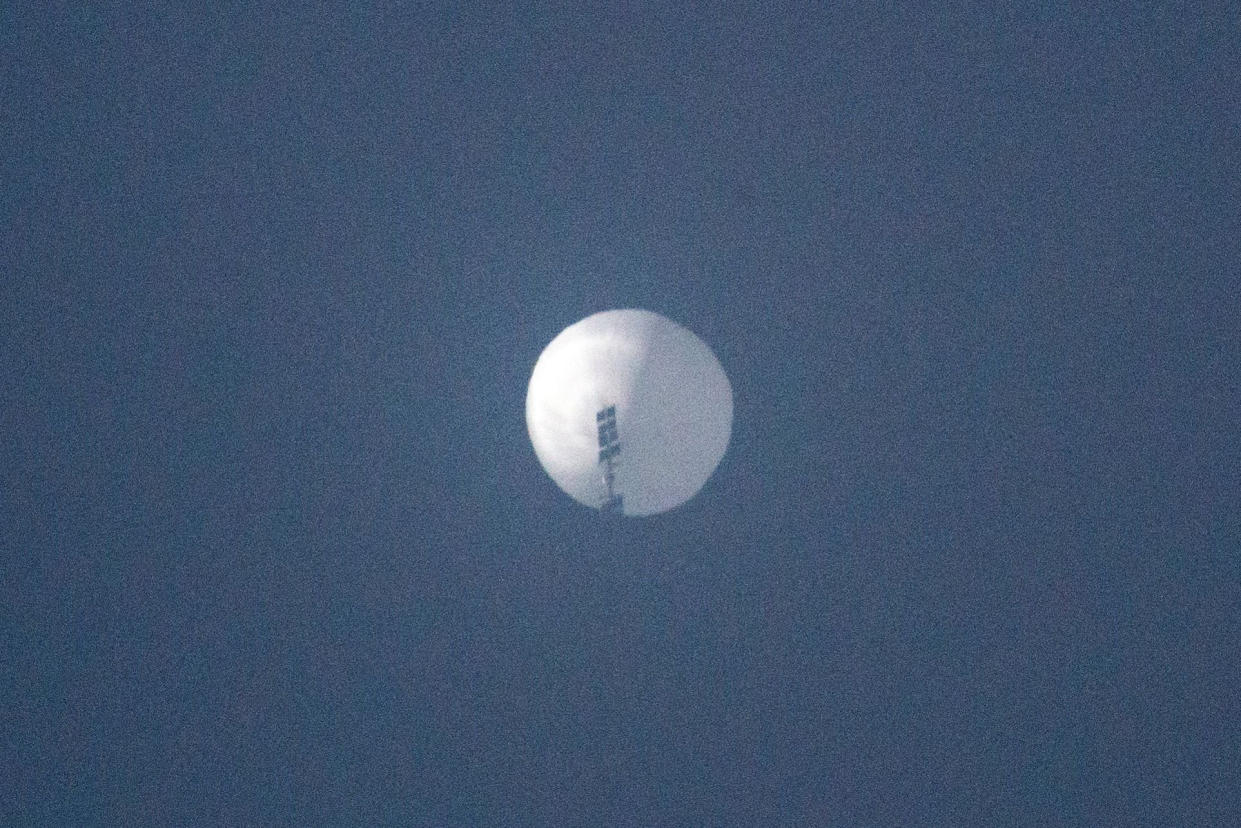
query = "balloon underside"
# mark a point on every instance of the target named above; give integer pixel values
(673, 409)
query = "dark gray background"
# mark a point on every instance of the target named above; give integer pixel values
(276, 547)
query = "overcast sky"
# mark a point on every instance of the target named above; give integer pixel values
(277, 550)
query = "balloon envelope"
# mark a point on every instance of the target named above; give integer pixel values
(673, 410)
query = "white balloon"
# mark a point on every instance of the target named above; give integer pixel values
(673, 411)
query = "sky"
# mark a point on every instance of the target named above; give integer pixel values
(277, 549)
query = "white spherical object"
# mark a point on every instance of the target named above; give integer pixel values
(673, 411)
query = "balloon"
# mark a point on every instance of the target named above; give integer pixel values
(629, 412)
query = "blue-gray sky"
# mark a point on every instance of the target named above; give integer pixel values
(277, 549)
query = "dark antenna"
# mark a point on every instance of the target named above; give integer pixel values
(609, 448)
